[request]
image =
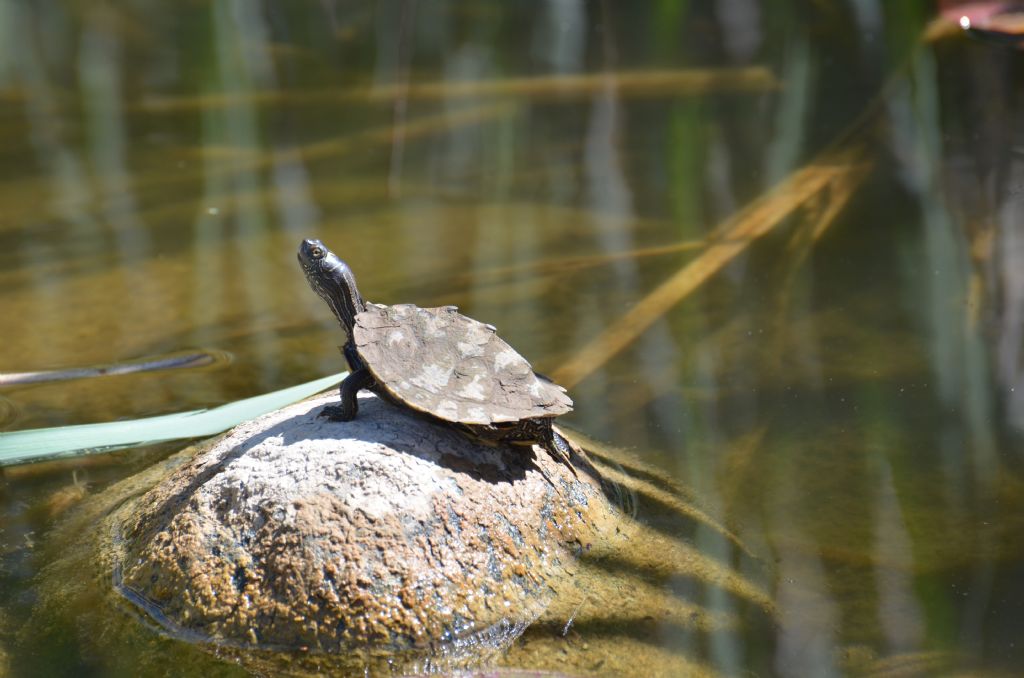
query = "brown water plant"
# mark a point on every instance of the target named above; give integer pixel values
(726, 242)
(649, 83)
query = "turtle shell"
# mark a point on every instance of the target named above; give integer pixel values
(440, 362)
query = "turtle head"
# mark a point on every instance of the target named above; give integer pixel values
(332, 279)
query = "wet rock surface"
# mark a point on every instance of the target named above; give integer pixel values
(386, 532)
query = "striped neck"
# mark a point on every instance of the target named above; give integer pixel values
(332, 279)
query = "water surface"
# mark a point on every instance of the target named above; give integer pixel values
(773, 250)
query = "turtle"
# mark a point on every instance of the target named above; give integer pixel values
(438, 363)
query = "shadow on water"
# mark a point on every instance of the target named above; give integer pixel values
(650, 477)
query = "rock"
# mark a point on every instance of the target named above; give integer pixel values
(641, 599)
(387, 535)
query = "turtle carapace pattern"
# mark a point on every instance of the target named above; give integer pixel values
(436, 362)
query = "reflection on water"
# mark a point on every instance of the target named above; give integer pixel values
(774, 249)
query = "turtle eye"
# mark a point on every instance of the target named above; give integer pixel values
(317, 252)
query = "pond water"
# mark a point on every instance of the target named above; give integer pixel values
(773, 251)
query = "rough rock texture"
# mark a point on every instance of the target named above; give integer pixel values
(385, 532)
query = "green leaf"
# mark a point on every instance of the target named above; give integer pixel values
(19, 447)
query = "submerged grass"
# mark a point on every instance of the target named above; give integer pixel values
(172, 361)
(230, 160)
(673, 82)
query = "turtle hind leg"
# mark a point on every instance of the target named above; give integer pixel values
(559, 448)
(349, 389)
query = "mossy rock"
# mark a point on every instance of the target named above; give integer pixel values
(387, 533)
(296, 545)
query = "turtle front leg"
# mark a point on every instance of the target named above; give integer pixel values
(348, 408)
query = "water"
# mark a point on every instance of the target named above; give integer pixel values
(844, 391)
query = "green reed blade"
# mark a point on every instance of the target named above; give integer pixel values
(19, 447)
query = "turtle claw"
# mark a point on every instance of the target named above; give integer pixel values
(334, 413)
(560, 448)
